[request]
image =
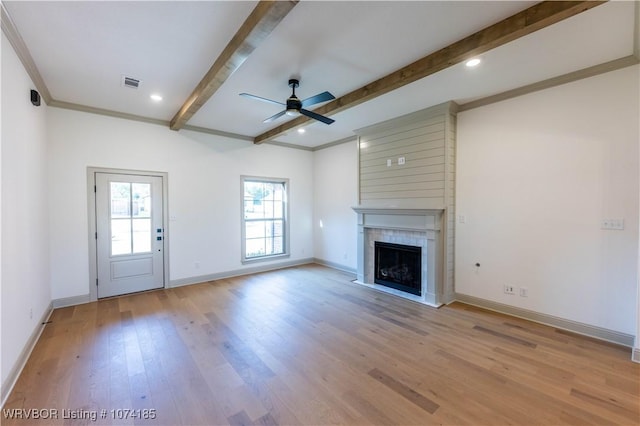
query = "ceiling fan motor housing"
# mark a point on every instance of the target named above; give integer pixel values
(293, 103)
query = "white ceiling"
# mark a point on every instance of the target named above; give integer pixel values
(82, 49)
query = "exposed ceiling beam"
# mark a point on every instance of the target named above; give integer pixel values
(526, 22)
(258, 25)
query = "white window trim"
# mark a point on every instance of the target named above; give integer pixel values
(267, 258)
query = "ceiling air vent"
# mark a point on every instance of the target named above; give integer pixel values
(131, 82)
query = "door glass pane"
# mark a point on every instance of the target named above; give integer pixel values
(120, 236)
(120, 199)
(130, 201)
(141, 235)
(141, 199)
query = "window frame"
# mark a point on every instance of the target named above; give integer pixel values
(243, 222)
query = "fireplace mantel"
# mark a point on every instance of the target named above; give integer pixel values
(399, 218)
(421, 226)
(395, 210)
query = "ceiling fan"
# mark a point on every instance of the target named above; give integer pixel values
(294, 106)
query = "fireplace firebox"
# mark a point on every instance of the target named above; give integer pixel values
(399, 266)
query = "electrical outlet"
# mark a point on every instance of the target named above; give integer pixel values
(401, 161)
(509, 289)
(524, 292)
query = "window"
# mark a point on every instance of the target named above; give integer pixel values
(264, 218)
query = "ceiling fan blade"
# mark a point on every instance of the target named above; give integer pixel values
(311, 114)
(320, 97)
(274, 117)
(258, 98)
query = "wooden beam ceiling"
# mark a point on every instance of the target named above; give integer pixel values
(526, 22)
(258, 25)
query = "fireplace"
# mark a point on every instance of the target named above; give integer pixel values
(410, 229)
(398, 266)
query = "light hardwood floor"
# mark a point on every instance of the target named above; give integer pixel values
(305, 346)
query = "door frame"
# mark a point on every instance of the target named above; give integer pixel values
(91, 208)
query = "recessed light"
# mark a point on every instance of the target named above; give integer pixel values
(156, 98)
(472, 62)
(301, 131)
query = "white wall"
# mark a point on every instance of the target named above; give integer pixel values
(536, 176)
(204, 192)
(26, 293)
(335, 192)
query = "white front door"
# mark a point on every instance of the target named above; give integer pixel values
(129, 237)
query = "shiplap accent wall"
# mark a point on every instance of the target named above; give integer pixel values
(426, 140)
(420, 182)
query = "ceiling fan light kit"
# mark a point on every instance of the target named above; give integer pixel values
(294, 106)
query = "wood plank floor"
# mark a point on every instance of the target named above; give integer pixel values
(305, 346)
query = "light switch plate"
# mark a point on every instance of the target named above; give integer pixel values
(612, 224)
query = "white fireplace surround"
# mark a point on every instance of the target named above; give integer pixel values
(413, 227)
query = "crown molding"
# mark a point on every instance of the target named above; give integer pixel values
(606, 67)
(348, 139)
(217, 132)
(289, 145)
(106, 112)
(20, 47)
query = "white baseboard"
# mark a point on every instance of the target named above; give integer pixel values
(12, 378)
(71, 301)
(335, 265)
(564, 324)
(635, 355)
(238, 272)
